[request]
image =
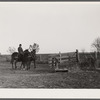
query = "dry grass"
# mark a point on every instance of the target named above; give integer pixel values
(44, 77)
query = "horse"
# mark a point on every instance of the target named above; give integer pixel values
(25, 59)
(33, 57)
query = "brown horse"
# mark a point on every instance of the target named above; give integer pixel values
(25, 59)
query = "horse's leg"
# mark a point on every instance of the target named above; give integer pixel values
(12, 65)
(12, 62)
(29, 64)
(21, 65)
(25, 66)
(15, 64)
(34, 64)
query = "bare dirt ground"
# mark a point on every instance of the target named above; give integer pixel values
(44, 77)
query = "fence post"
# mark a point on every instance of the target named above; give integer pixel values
(77, 56)
(96, 58)
(60, 56)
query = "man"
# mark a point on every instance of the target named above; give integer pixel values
(20, 51)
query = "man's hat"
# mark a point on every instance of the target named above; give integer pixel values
(20, 44)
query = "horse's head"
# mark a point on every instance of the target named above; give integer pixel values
(26, 52)
(33, 53)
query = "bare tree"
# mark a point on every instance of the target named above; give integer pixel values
(96, 44)
(11, 50)
(83, 50)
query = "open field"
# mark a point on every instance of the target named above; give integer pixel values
(44, 77)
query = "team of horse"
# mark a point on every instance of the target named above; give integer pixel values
(25, 59)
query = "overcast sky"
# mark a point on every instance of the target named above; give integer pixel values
(55, 26)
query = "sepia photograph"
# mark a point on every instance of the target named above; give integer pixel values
(50, 45)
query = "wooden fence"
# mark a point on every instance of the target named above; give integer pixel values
(70, 57)
(55, 60)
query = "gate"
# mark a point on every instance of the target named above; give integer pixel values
(60, 61)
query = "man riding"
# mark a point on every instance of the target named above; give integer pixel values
(20, 51)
